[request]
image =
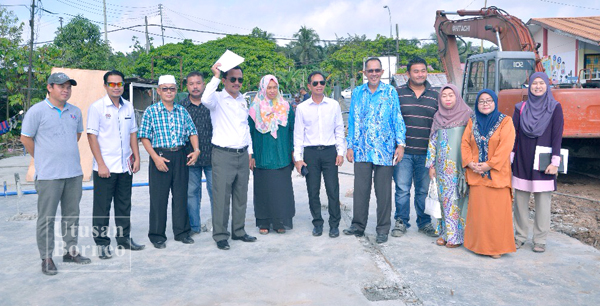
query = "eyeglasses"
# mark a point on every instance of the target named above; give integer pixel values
(315, 83)
(489, 101)
(114, 85)
(171, 89)
(232, 80)
(374, 71)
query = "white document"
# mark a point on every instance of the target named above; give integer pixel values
(229, 60)
(538, 151)
(564, 155)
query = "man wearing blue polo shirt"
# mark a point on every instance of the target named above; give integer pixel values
(50, 132)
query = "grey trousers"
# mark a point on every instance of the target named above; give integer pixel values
(230, 177)
(50, 193)
(541, 220)
(365, 175)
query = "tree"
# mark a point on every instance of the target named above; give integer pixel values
(81, 44)
(10, 69)
(305, 49)
(260, 58)
(258, 33)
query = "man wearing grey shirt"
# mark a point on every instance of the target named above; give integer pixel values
(50, 132)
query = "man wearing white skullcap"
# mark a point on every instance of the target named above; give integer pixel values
(165, 129)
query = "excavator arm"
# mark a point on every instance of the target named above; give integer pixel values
(508, 32)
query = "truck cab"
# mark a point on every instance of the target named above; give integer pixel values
(497, 70)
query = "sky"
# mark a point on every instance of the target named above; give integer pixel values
(330, 19)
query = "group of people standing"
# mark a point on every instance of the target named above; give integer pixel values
(479, 156)
(411, 134)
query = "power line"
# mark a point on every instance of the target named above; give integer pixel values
(572, 5)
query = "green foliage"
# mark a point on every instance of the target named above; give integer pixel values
(258, 33)
(11, 69)
(82, 46)
(259, 54)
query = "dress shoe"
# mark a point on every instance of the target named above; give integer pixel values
(48, 267)
(352, 230)
(104, 252)
(245, 238)
(334, 232)
(131, 245)
(223, 245)
(160, 244)
(381, 238)
(77, 258)
(317, 230)
(186, 240)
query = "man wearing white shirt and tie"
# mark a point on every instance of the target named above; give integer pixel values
(232, 147)
(319, 145)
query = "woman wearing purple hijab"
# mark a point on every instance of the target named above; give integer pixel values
(538, 122)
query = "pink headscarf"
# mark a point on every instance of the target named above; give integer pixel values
(267, 114)
(458, 115)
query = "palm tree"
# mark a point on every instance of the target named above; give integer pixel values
(257, 32)
(305, 48)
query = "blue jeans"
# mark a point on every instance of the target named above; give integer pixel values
(411, 168)
(195, 194)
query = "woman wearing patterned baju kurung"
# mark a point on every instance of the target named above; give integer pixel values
(486, 146)
(445, 164)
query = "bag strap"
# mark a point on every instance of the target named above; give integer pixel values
(522, 106)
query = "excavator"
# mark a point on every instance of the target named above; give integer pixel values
(507, 71)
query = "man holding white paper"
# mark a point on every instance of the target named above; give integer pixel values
(231, 154)
(112, 134)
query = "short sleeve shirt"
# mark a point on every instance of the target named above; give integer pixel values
(54, 134)
(113, 127)
(164, 128)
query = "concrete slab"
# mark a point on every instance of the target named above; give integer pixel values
(290, 269)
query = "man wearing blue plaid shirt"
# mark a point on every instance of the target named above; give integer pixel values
(164, 131)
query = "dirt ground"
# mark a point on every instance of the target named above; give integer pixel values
(577, 217)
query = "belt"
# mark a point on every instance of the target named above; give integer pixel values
(242, 150)
(320, 148)
(174, 149)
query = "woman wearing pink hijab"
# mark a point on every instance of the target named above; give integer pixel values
(271, 127)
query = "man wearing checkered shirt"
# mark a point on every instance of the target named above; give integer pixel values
(164, 131)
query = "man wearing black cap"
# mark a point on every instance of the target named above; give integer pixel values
(50, 132)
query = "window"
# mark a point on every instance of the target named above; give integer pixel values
(514, 73)
(475, 81)
(491, 75)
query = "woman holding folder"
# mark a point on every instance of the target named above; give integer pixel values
(538, 122)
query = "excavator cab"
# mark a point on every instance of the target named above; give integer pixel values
(497, 70)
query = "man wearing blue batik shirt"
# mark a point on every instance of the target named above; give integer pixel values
(376, 140)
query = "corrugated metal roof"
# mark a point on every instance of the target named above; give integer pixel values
(587, 28)
(435, 79)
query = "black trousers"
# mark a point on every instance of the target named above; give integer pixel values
(160, 183)
(365, 176)
(117, 187)
(322, 160)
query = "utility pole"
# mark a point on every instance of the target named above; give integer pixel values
(105, 30)
(162, 30)
(29, 71)
(147, 38)
(397, 50)
(60, 19)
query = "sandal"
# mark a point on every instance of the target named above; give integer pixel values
(281, 231)
(451, 246)
(263, 231)
(519, 244)
(539, 248)
(496, 256)
(440, 241)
